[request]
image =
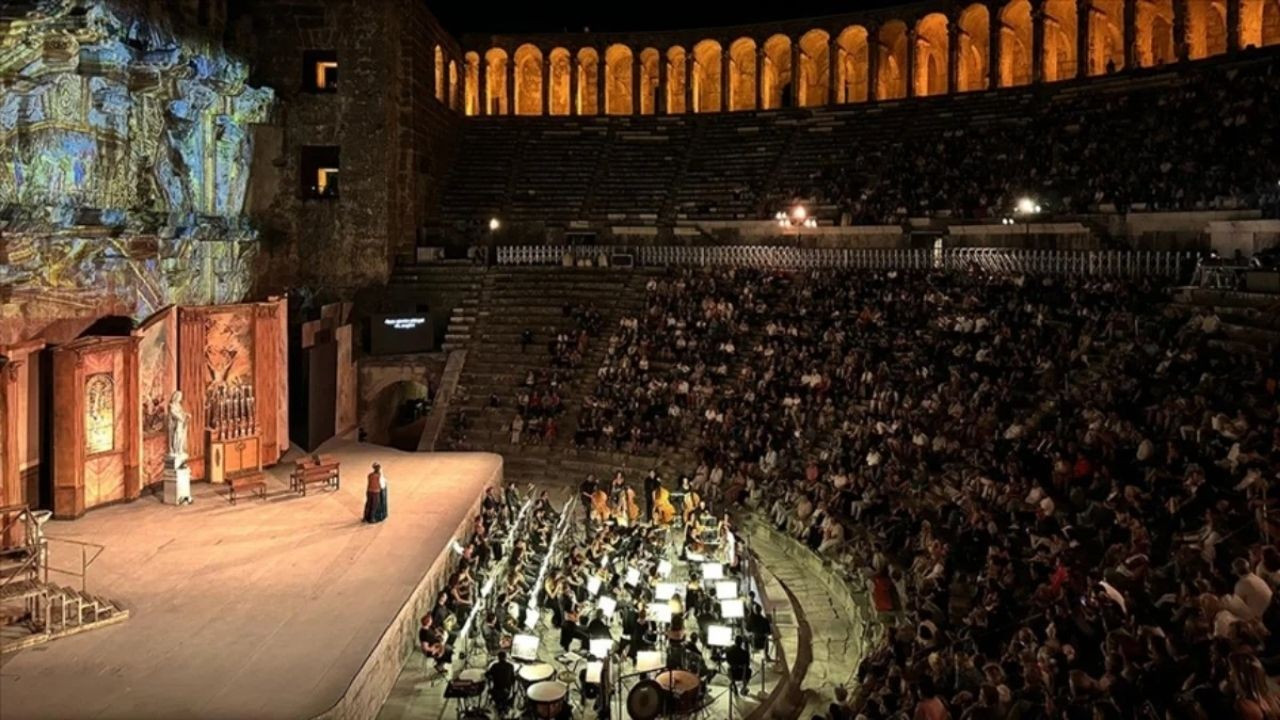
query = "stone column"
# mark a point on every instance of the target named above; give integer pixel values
(602, 71)
(636, 68)
(953, 53)
(510, 89)
(1037, 42)
(833, 70)
(910, 72)
(688, 83)
(546, 84)
(726, 70)
(482, 92)
(574, 69)
(1181, 48)
(873, 64)
(761, 61)
(994, 51)
(664, 70)
(1130, 34)
(1233, 25)
(1084, 15)
(795, 73)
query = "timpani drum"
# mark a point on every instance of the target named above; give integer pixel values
(536, 673)
(472, 675)
(645, 700)
(547, 698)
(682, 688)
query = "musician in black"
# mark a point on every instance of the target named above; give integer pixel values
(739, 658)
(502, 683)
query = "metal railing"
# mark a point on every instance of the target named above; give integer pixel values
(1108, 263)
(88, 553)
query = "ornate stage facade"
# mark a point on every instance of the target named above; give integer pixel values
(284, 607)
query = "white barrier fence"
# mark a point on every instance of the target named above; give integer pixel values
(1133, 263)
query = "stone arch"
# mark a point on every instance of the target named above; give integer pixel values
(528, 90)
(742, 74)
(619, 65)
(648, 80)
(932, 53)
(706, 76)
(495, 94)
(677, 72)
(561, 66)
(1059, 52)
(588, 99)
(1106, 36)
(1015, 43)
(438, 67)
(384, 417)
(1206, 29)
(974, 53)
(851, 65)
(471, 84)
(1153, 33)
(453, 84)
(1259, 23)
(891, 76)
(814, 72)
(775, 73)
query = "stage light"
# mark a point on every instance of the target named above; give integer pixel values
(660, 612)
(600, 647)
(719, 636)
(799, 213)
(781, 216)
(525, 647)
(607, 605)
(650, 660)
(712, 571)
(664, 591)
(732, 609)
(494, 224)
(664, 568)
(727, 590)
(633, 576)
(595, 668)
(593, 584)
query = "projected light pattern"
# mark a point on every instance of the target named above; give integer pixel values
(124, 164)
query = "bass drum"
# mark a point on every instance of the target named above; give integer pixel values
(644, 702)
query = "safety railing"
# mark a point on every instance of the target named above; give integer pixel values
(1113, 263)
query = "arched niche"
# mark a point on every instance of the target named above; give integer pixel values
(1106, 36)
(528, 91)
(706, 76)
(891, 68)
(1153, 33)
(495, 95)
(1015, 43)
(932, 54)
(1206, 29)
(851, 65)
(775, 73)
(649, 62)
(588, 99)
(742, 74)
(561, 67)
(974, 53)
(677, 77)
(815, 69)
(1059, 52)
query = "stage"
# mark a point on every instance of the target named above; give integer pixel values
(285, 608)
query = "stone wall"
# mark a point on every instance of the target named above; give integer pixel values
(393, 136)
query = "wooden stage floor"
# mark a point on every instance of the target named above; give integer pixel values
(265, 609)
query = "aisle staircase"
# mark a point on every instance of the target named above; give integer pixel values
(32, 609)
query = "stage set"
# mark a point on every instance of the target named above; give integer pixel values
(288, 607)
(633, 620)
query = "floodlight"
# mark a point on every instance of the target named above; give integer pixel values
(660, 612)
(719, 636)
(593, 584)
(525, 647)
(664, 568)
(799, 213)
(494, 223)
(607, 605)
(726, 589)
(1026, 205)
(712, 571)
(649, 660)
(732, 609)
(664, 591)
(600, 647)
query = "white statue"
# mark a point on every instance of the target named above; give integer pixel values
(178, 418)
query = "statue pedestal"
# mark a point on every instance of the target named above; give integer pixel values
(177, 485)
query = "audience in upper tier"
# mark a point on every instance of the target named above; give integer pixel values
(1209, 143)
(1054, 489)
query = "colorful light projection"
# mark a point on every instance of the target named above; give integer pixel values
(125, 153)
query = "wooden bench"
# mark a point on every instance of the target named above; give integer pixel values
(254, 483)
(323, 470)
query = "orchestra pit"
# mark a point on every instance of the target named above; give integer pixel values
(875, 360)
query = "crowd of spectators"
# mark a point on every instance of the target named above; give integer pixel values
(1204, 139)
(1054, 489)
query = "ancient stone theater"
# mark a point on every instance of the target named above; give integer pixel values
(846, 361)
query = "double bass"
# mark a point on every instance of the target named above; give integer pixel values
(663, 511)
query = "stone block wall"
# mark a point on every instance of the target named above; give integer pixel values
(394, 138)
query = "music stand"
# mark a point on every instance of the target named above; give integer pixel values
(712, 571)
(733, 609)
(593, 584)
(531, 616)
(726, 589)
(633, 576)
(664, 568)
(664, 591)
(607, 605)
(525, 647)
(721, 636)
(600, 647)
(650, 660)
(660, 612)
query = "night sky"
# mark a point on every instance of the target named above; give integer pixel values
(467, 16)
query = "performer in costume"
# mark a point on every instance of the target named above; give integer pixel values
(373, 496)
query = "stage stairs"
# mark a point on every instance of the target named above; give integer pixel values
(34, 610)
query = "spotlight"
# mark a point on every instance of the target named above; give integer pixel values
(1025, 205)
(494, 224)
(799, 213)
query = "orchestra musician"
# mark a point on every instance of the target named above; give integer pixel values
(690, 501)
(663, 511)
